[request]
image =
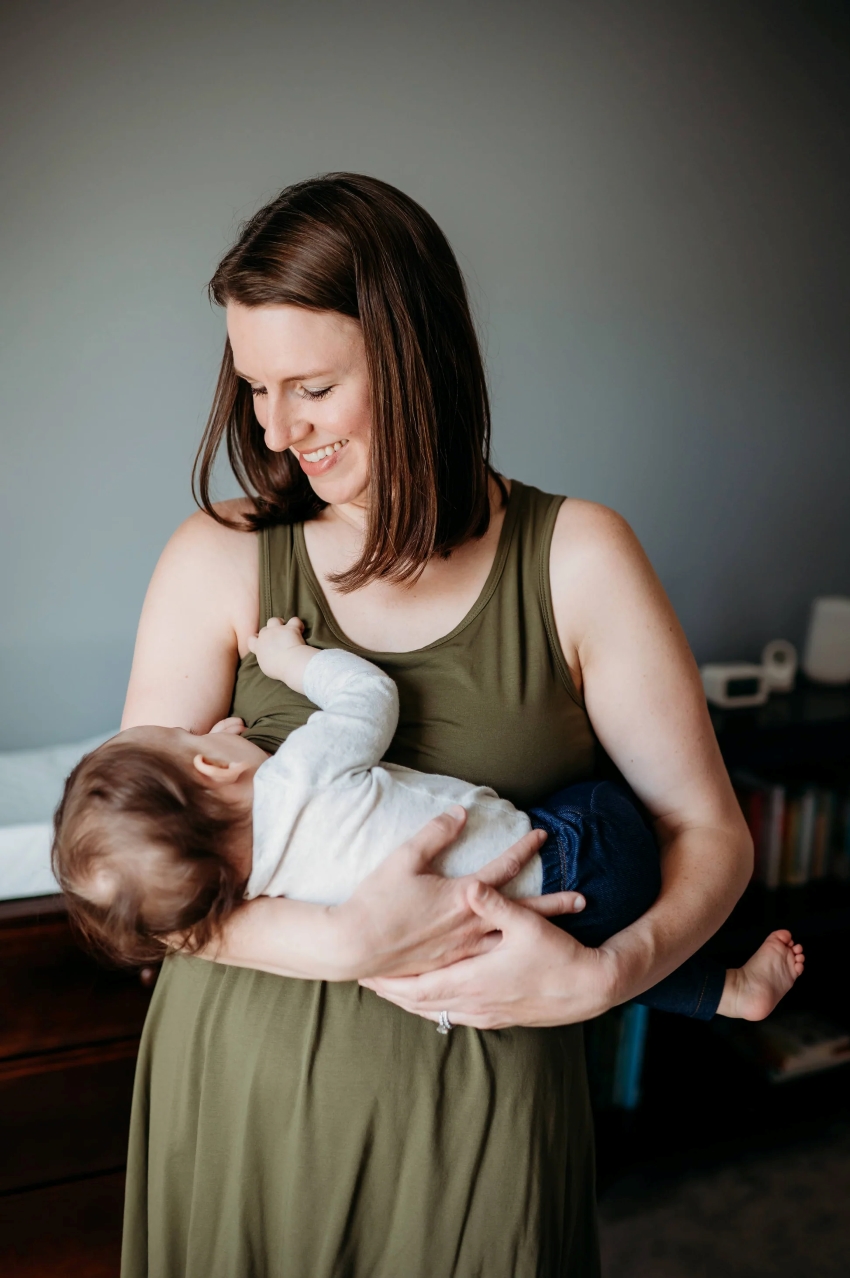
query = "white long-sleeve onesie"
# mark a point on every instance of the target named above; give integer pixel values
(327, 811)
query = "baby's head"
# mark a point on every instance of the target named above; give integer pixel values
(153, 838)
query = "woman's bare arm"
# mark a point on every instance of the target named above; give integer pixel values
(201, 608)
(645, 700)
(626, 649)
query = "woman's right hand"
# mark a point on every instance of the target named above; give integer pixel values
(405, 918)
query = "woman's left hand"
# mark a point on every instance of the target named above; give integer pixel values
(534, 975)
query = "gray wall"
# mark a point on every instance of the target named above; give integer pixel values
(651, 201)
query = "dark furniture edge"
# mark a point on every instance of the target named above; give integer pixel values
(32, 908)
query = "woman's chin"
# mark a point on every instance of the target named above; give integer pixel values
(339, 490)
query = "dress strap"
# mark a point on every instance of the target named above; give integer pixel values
(265, 578)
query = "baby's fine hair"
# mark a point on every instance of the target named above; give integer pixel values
(150, 836)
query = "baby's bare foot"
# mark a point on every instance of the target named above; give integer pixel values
(751, 992)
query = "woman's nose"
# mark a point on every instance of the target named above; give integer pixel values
(283, 428)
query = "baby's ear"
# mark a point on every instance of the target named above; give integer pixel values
(217, 773)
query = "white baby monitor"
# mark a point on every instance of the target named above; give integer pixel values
(779, 659)
(826, 657)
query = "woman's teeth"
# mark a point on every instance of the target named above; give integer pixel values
(321, 453)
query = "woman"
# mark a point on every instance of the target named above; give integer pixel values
(314, 1127)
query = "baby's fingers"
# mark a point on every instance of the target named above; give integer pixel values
(233, 726)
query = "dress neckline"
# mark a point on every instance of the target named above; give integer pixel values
(486, 593)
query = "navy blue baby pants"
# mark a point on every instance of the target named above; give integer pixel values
(599, 845)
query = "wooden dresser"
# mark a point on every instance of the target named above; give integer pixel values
(69, 1035)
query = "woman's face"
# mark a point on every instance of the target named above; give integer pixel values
(307, 372)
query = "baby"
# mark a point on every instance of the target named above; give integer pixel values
(162, 832)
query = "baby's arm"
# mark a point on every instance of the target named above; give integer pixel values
(358, 704)
(282, 653)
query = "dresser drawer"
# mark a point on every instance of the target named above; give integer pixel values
(69, 1036)
(53, 994)
(65, 1114)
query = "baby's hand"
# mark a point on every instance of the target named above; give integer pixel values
(281, 651)
(233, 726)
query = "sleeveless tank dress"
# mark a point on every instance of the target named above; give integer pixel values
(285, 1128)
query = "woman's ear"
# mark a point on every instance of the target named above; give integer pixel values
(217, 773)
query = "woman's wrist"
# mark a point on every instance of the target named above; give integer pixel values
(628, 958)
(605, 983)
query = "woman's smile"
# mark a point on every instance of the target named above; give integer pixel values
(320, 460)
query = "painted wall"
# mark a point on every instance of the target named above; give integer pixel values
(651, 201)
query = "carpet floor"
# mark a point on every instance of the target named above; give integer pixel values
(768, 1215)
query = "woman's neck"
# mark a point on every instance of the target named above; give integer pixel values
(387, 616)
(351, 514)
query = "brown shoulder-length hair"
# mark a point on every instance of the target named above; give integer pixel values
(352, 244)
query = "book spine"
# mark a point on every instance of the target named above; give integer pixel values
(773, 830)
(755, 813)
(804, 837)
(840, 860)
(629, 1065)
(790, 831)
(822, 841)
(799, 837)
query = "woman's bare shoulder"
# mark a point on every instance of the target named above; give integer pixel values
(202, 535)
(588, 535)
(211, 562)
(599, 576)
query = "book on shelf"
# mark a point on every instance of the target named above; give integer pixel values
(615, 1044)
(800, 831)
(788, 1044)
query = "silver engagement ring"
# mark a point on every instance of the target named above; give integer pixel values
(444, 1024)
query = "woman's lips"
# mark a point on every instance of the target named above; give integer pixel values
(320, 465)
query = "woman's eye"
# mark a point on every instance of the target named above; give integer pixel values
(317, 394)
(258, 390)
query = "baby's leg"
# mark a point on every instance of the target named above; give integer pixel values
(599, 845)
(751, 992)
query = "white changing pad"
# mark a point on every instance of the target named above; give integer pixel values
(31, 784)
(25, 861)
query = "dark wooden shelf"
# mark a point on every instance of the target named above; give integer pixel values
(801, 735)
(701, 1101)
(802, 732)
(703, 1104)
(813, 910)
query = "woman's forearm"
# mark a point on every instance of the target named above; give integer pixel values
(288, 938)
(704, 871)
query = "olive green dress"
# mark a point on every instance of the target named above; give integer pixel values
(299, 1129)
